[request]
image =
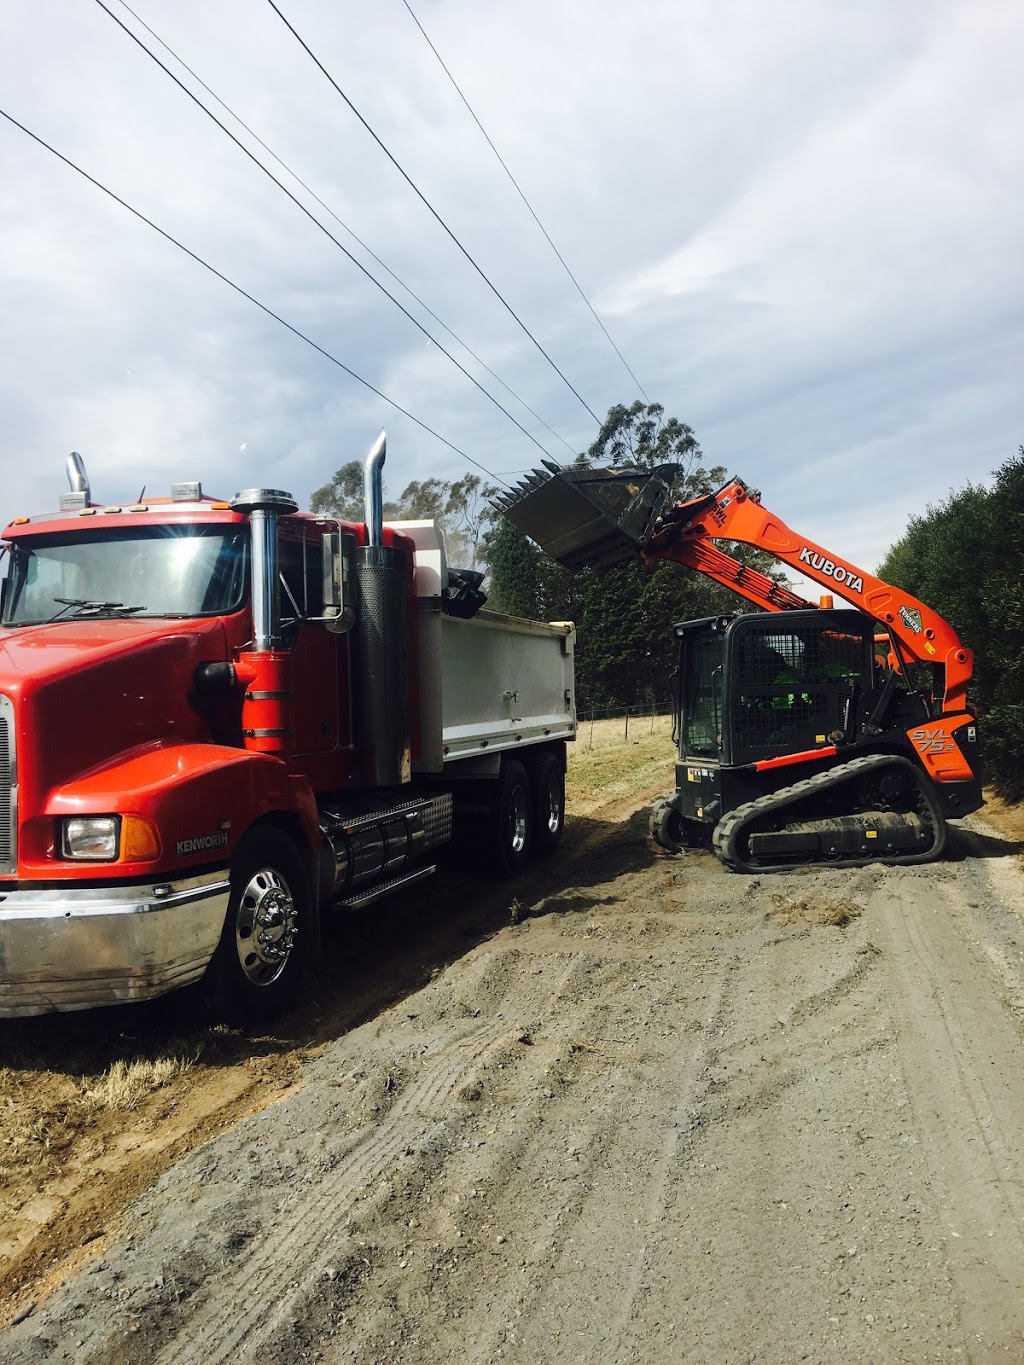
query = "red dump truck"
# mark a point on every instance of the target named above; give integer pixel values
(220, 719)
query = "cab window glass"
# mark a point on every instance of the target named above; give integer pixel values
(301, 571)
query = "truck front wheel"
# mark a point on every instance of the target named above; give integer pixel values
(255, 970)
(511, 821)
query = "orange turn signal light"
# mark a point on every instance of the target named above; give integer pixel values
(139, 841)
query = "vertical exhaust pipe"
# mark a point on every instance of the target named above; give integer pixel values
(268, 704)
(381, 641)
(264, 508)
(77, 477)
(373, 490)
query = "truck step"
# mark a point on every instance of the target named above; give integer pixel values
(382, 889)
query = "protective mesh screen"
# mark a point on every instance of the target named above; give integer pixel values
(791, 687)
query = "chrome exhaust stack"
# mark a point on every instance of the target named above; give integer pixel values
(265, 507)
(381, 641)
(373, 490)
(78, 479)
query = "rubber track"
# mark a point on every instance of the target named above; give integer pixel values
(731, 827)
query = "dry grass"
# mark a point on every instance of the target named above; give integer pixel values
(42, 1113)
(600, 734)
(828, 911)
(1009, 820)
(606, 766)
(127, 1083)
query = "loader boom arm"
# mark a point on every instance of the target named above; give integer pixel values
(756, 587)
(684, 534)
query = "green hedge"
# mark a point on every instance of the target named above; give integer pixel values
(965, 558)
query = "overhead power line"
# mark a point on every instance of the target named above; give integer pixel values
(522, 196)
(423, 199)
(342, 224)
(313, 219)
(251, 298)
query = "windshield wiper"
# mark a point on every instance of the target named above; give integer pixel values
(87, 608)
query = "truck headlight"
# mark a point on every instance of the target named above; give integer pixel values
(91, 838)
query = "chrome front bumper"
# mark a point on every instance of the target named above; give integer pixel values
(71, 948)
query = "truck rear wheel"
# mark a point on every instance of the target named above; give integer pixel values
(256, 968)
(511, 821)
(548, 783)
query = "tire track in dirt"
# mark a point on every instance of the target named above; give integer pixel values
(963, 1059)
(248, 1305)
(253, 1303)
(664, 1116)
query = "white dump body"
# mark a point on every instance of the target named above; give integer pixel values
(487, 684)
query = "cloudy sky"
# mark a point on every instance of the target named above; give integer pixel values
(800, 220)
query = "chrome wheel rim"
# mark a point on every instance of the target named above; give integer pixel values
(518, 817)
(554, 820)
(265, 926)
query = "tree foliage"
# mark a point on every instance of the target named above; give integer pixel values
(640, 435)
(965, 558)
(342, 495)
(462, 508)
(625, 651)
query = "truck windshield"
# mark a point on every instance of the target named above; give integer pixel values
(136, 571)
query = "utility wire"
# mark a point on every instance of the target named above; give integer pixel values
(313, 219)
(246, 295)
(492, 287)
(341, 223)
(522, 196)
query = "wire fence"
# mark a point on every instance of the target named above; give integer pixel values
(633, 721)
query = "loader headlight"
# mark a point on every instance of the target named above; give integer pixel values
(91, 838)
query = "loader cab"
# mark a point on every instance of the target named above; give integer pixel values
(762, 685)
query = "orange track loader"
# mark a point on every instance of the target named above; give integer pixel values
(798, 741)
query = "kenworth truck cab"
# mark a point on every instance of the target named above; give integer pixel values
(219, 719)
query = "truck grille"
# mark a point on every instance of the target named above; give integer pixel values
(8, 791)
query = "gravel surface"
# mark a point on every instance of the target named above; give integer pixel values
(662, 1113)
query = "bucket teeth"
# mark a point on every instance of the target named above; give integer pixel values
(587, 517)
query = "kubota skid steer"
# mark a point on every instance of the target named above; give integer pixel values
(798, 741)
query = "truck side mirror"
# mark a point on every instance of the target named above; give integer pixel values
(339, 607)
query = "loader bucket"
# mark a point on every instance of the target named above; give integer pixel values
(589, 518)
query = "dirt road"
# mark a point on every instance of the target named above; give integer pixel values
(645, 1111)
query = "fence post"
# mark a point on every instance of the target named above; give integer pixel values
(625, 737)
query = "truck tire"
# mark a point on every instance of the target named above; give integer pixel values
(256, 968)
(548, 790)
(511, 821)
